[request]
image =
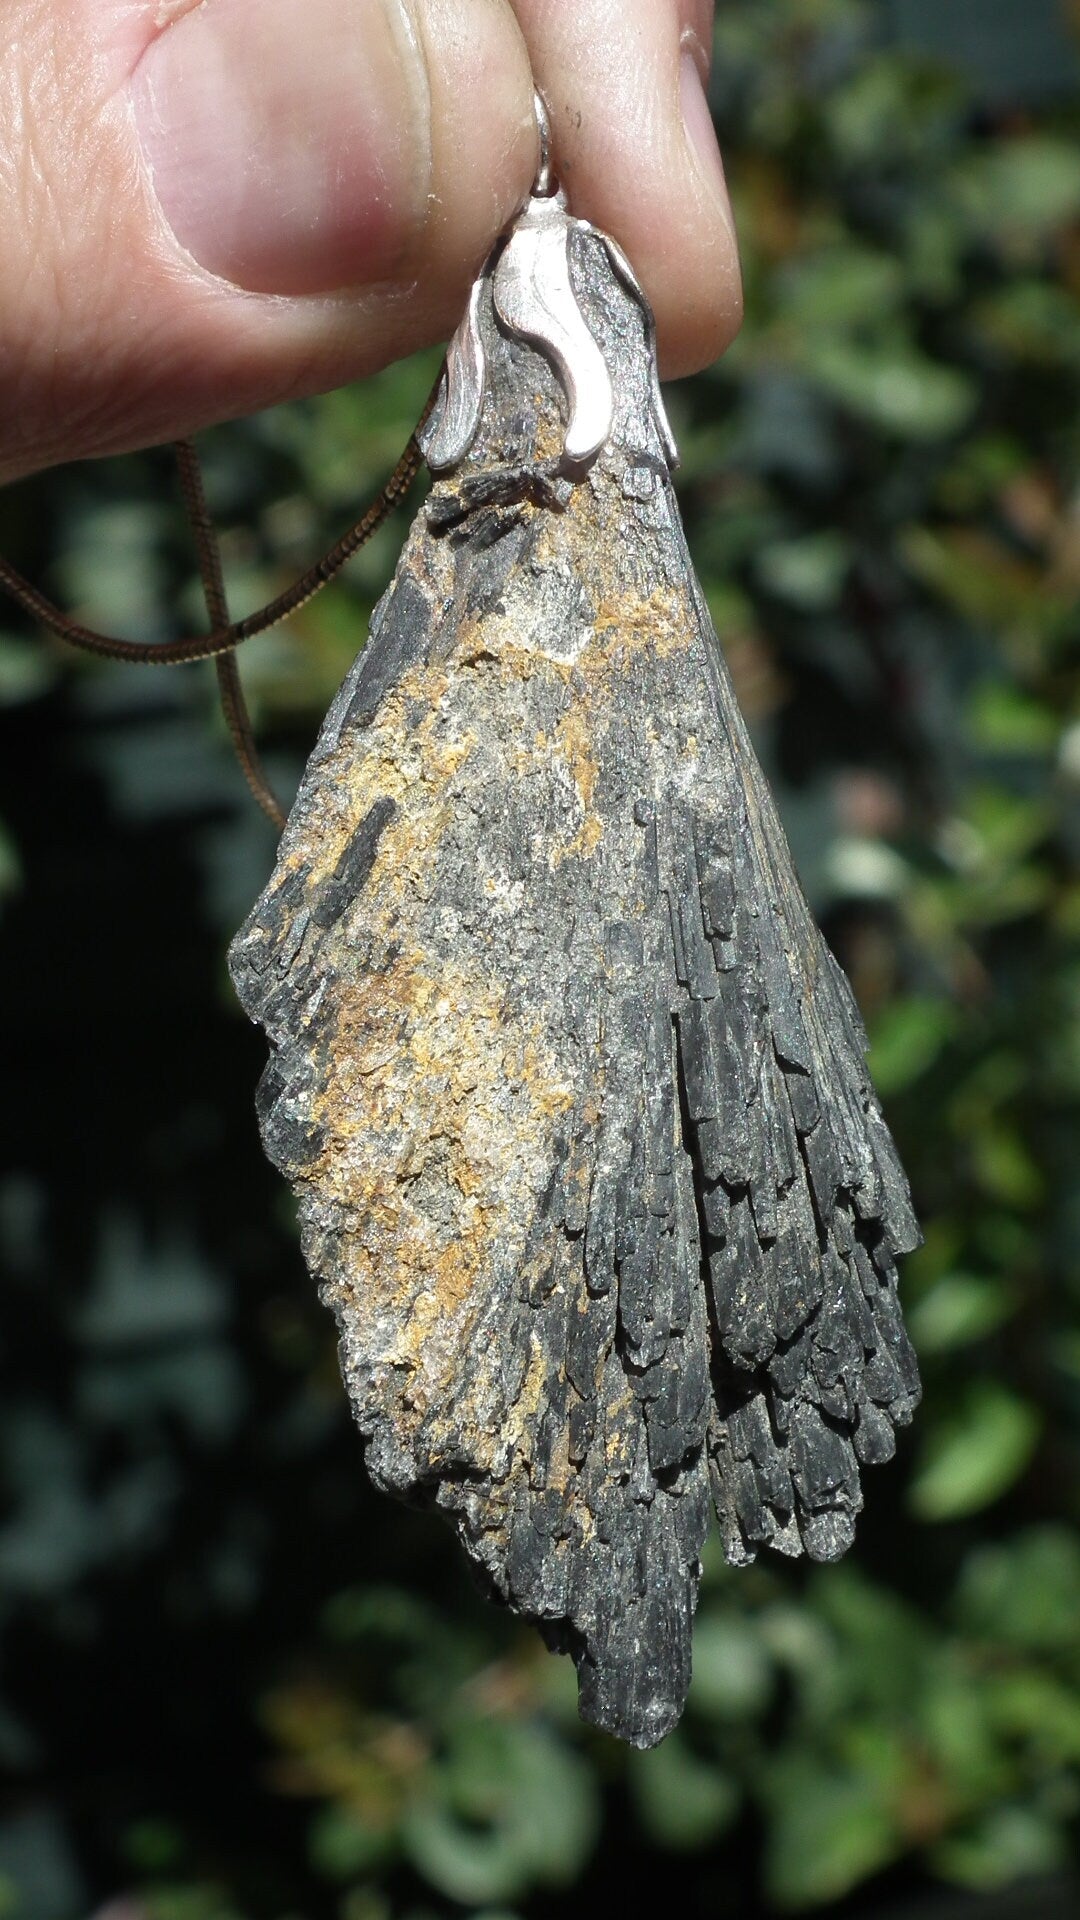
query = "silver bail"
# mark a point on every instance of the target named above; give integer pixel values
(544, 184)
(528, 287)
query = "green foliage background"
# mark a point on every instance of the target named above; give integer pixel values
(236, 1685)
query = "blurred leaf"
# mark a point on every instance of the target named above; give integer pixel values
(864, 1617)
(808, 573)
(861, 868)
(1020, 191)
(1005, 720)
(892, 387)
(380, 1614)
(52, 1534)
(27, 669)
(985, 581)
(200, 1386)
(1043, 1712)
(994, 900)
(343, 1845)
(112, 567)
(979, 468)
(732, 1670)
(933, 242)
(1006, 825)
(956, 1726)
(1002, 1164)
(827, 1831)
(907, 1038)
(194, 1901)
(960, 1309)
(1029, 320)
(1009, 1843)
(683, 1802)
(842, 286)
(801, 1644)
(390, 1627)
(891, 107)
(154, 1846)
(141, 1295)
(508, 1808)
(980, 1448)
(1025, 1592)
(364, 1903)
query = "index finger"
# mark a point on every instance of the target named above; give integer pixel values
(635, 149)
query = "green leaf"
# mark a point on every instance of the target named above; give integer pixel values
(933, 251)
(960, 1309)
(683, 1802)
(342, 1845)
(827, 1830)
(982, 465)
(864, 1617)
(802, 1646)
(732, 1668)
(26, 670)
(893, 388)
(955, 1729)
(1009, 1843)
(997, 899)
(907, 1037)
(730, 609)
(1003, 719)
(808, 573)
(1003, 1165)
(1025, 1592)
(1039, 1710)
(154, 1846)
(509, 1808)
(148, 1297)
(1019, 192)
(193, 1902)
(889, 109)
(382, 1614)
(1006, 826)
(364, 1903)
(841, 286)
(976, 1454)
(987, 582)
(1031, 320)
(39, 1874)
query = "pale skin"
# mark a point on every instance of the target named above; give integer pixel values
(210, 206)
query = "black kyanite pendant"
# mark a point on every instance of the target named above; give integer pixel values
(570, 1089)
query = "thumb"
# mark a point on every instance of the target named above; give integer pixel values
(217, 206)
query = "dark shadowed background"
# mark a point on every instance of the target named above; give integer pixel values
(234, 1683)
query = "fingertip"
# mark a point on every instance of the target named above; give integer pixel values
(701, 323)
(636, 149)
(484, 136)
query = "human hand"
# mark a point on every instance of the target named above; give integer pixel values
(209, 208)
